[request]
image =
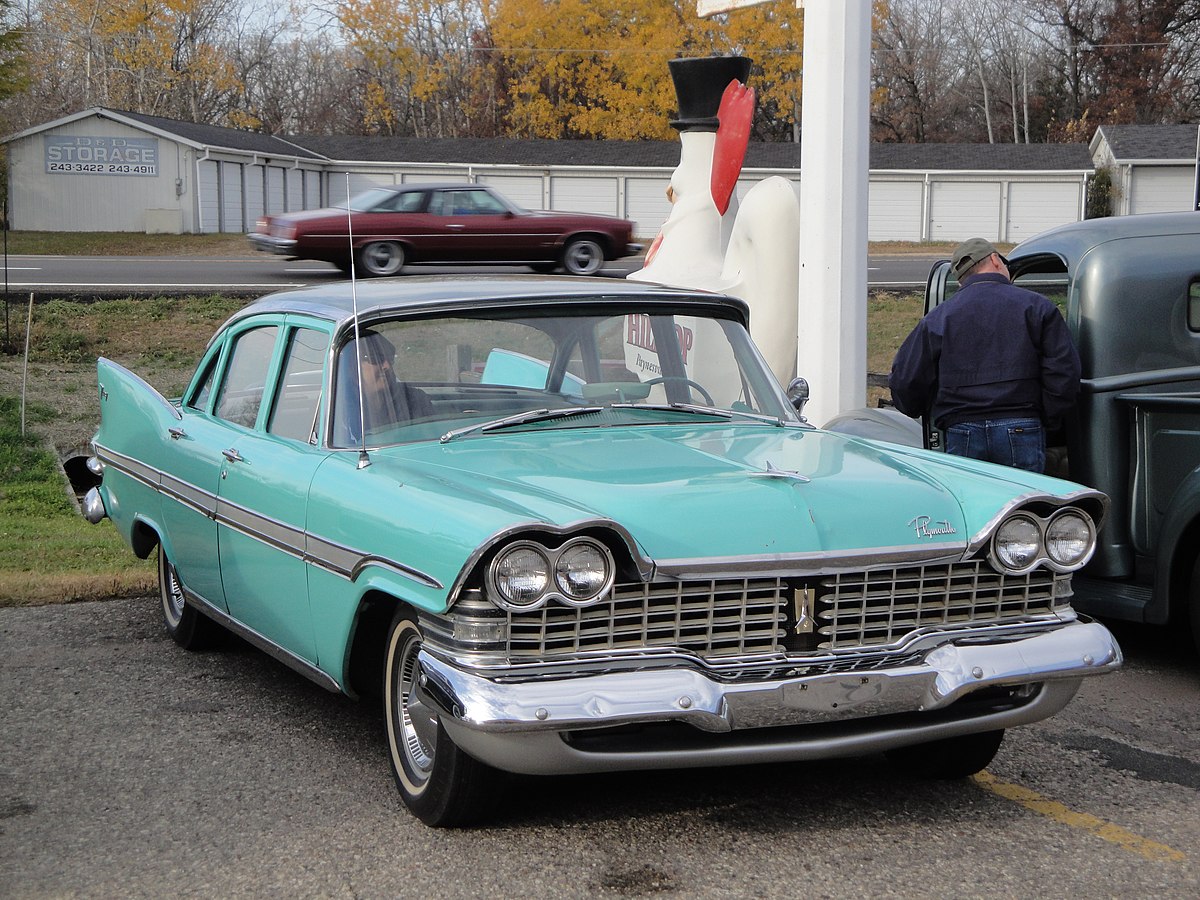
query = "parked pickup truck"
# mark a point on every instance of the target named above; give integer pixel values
(1130, 290)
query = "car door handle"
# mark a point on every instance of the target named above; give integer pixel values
(452, 225)
(232, 455)
(176, 433)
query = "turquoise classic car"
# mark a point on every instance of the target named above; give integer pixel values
(574, 525)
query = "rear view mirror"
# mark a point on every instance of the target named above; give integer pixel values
(797, 394)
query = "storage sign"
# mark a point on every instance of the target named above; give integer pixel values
(101, 155)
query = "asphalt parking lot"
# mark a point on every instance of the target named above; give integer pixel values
(131, 768)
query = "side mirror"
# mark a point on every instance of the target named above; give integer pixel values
(797, 394)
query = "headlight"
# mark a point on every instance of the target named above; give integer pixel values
(583, 571)
(525, 575)
(520, 576)
(1070, 539)
(1018, 543)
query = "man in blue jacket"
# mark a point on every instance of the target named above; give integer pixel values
(994, 366)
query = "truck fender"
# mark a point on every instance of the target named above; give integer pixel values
(1177, 547)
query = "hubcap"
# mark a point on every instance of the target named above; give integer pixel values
(583, 258)
(382, 259)
(418, 723)
(172, 593)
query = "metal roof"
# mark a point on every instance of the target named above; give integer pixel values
(375, 298)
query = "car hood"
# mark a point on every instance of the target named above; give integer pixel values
(681, 495)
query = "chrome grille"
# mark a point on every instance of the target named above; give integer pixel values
(727, 617)
(738, 617)
(863, 609)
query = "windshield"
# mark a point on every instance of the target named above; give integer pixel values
(471, 376)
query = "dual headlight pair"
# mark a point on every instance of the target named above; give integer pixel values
(525, 575)
(1064, 541)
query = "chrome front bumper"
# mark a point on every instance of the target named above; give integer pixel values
(269, 244)
(518, 725)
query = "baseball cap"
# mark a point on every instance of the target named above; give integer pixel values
(971, 251)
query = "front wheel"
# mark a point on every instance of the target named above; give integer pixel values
(1193, 607)
(381, 258)
(582, 256)
(190, 629)
(439, 783)
(956, 757)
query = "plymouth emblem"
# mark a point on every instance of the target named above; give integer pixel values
(926, 527)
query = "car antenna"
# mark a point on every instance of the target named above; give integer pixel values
(363, 459)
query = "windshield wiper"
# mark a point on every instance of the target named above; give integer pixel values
(705, 410)
(533, 415)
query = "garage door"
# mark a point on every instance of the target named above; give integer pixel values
(895, 211)
(1033, 207)
(524, 190)
(209, 195)
(295, 189)
(589, 195)
(231, 197)
(646, 202)
(254, 193)
(963, 209)
(1161, 189)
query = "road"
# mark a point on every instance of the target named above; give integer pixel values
(260, 272)
(131, 768)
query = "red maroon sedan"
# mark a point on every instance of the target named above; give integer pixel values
(445, 223)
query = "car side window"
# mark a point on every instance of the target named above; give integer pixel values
(411, 201)
(199, 400)
(295, 412)
(484, 204)
(1193, 312)
(468, 203)
(404, 201)
(245, 376)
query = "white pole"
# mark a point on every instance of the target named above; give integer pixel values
(834, 161)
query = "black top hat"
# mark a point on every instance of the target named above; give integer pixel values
(699, 84)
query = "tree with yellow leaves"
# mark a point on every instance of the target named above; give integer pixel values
(417, 66)
(152, 56)
(598, 68)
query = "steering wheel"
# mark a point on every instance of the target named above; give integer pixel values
(662, 379)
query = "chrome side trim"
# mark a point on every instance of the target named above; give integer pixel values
(296, 542)
(289, 659)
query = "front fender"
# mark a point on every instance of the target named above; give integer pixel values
(1175, 550)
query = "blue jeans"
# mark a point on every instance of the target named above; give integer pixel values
(1020, 443)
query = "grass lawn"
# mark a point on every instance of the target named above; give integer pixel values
(48, 553)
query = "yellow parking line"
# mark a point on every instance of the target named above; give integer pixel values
(1114, 834)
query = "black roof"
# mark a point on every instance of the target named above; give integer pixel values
(665, 154)
(982, 157)
(1169, 141)
(513, 151)
(1151, 141)
(216, 136)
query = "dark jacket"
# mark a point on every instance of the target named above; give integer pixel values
(992, 351)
